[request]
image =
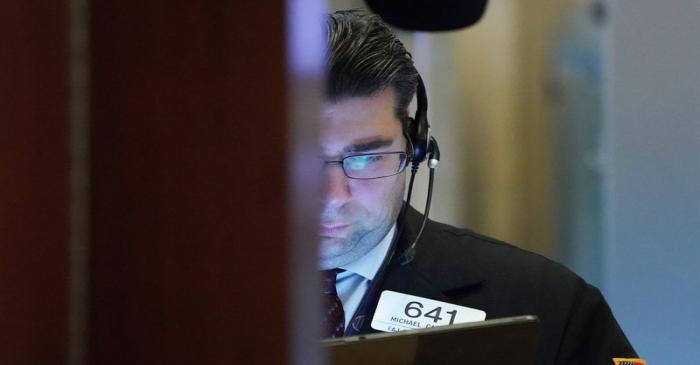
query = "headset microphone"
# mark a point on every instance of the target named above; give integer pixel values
(433, 153)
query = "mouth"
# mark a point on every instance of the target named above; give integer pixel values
(332, 230)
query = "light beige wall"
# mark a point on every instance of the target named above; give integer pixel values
(490, 113)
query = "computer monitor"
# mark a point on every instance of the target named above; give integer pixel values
(511, 340)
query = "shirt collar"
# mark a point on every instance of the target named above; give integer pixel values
(368, 265)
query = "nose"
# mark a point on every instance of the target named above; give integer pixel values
(336, 189)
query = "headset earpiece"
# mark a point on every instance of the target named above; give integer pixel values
(418, 127)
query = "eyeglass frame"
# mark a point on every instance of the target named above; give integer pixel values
(402, 168)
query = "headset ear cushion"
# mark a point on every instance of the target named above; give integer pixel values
(418, 132)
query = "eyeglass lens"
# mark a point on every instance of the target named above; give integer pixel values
(372, 166)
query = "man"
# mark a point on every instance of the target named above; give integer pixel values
(364, 129)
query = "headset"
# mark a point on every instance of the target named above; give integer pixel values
(422, 146)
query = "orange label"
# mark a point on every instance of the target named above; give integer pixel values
(619, 361)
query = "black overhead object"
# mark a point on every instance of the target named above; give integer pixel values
(429, 15)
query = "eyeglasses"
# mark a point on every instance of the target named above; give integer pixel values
(373, 165)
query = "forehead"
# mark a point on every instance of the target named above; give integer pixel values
(359, 120)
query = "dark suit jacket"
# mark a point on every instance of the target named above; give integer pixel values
(462, 267)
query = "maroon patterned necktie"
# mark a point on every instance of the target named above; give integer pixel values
(334, 316)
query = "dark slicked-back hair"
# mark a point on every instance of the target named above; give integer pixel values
(365, 58)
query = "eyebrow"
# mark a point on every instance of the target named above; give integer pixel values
(369, 145)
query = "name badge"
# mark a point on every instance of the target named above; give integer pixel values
(398, 312)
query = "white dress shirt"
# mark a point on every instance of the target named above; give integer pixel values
(352, 284)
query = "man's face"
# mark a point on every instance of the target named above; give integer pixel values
(357, 214)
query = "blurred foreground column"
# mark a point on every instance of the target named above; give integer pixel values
(192, 143)
(34, 181)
